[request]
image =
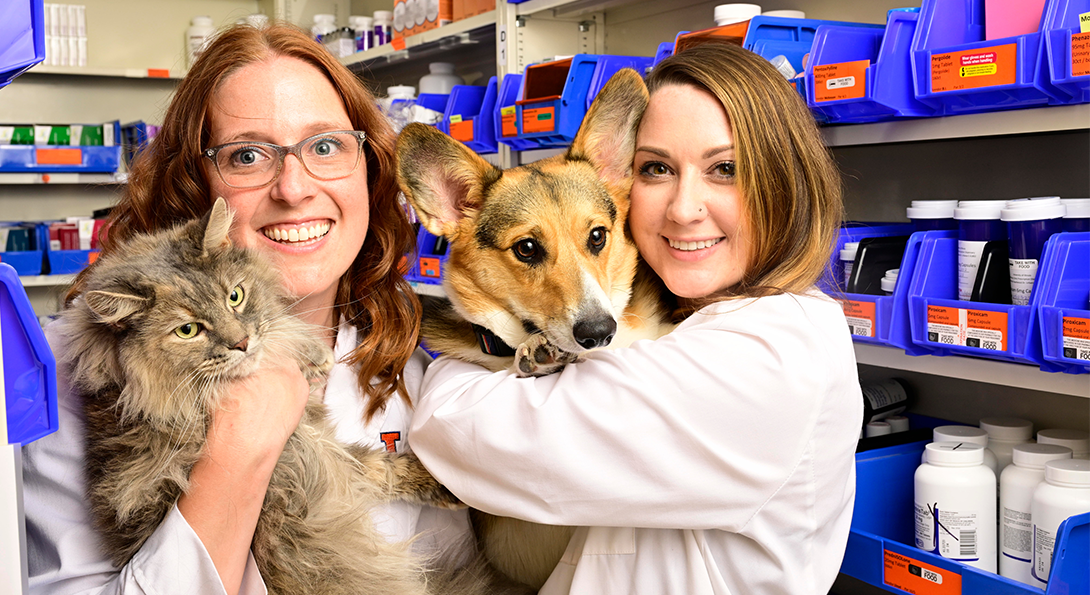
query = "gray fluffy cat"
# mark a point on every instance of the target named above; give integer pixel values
(164, 322)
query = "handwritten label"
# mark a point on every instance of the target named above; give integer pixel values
(912, 576)
(845, 80)
(972, 69)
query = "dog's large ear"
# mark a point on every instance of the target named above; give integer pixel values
(607, 137)
(442, 178)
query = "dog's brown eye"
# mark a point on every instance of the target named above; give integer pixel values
(597, 240)
(528, 251)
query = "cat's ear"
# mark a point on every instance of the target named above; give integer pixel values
(114, 308)
(219, 223)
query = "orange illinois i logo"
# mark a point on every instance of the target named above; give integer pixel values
(390, 439)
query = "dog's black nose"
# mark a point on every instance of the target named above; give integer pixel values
(595, 332)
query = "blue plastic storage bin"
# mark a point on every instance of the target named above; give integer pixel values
(882, 56)
(27, 262)
(958, 71)
(506, 121)
(430, 260)
(557, 95)
(22, 37)
(883, 527)
(59, 159)
(30, 371)
(470, 114)
(1064, 306)
(1067, 50)
(886, 317)
(941, 321)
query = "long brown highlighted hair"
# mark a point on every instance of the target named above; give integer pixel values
(168, 185)
(790, 186)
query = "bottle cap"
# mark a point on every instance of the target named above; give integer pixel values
(1033, 209)
(384, 17)
(1077, 208)
(1077, 440)
(976, 210)
(889, 281)
(1036, 455)
(955, 453)
(932, 209)
(324, 18)
(1007, 428)
(960, 434)
(897, 423)
(401, 92)
(1073, 471)
(726, 14)
(878, 428)
(366, 22)
(849, 250)
(202, 21)
(440, 68)
(785, 14)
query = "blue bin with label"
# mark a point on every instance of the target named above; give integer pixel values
(557, 94)
(506, 124)
(427, 265)
(1067, 48)
(883, 59)
(1064, 307)
(30, 371)
(470, 114)
(958, 71)
(22, 37)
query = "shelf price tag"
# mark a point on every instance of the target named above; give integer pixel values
(972, 69)
(913, 576)
(860, 317)
(1076, 338)
(981, 329)
(846, 80)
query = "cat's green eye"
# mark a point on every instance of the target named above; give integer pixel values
(188, 330)
(236, 296)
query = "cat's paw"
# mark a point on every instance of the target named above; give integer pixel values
(414, 483)
(538, 357)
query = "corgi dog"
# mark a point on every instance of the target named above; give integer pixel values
(540, 269)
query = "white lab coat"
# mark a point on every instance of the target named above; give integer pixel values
(63, 552)
(717, 459)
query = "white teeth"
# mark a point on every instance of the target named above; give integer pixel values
(297, 234)
(690, 246)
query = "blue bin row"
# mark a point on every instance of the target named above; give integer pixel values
(41, 260)
(30, 371)
(59, 159)
(468, 114)
(923, 315)
(880, 546)
(22, 38)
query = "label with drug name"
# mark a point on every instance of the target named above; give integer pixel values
(860, 317)
(1076, 338)
(968, 328)
(972, 69)
(845, 80)
(912, 576)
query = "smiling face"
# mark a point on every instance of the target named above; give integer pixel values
(311, 229)
(686, 214)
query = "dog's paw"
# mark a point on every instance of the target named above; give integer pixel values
(538, 357)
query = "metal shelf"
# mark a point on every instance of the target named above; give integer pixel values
(130, 73)
(62, 178)
(47, 280)
(436, 40)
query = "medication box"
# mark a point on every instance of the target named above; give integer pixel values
(880, 550)
(30, 371)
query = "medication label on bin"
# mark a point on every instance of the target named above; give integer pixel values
(846, 80)
(508, 121)
(1076, 338)
(968, 328)
(539, 119)
(1080, 50)
(912, 576)
(860, 317)
(972, 69)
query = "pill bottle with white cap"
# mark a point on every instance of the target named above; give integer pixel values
(971, 434)
(1003, 434)
(955, 501)
(1016, 487)
(1077, 440)
(1064, 493)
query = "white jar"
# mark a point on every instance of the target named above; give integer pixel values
(726, 14)
(441, 80)
(847, 259)
(955, 504)
(1003, 434)
(1077, 440)
(324, 24)
(877, 428)
(1064, 493)
(196, 37)
(965, 434)
(1016, 487)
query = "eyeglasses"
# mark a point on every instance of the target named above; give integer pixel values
(326, 156)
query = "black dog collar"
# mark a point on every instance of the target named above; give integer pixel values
(491, 344)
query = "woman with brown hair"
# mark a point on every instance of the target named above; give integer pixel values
(719, 458)
(250, 123)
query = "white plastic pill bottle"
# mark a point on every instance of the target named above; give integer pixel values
(1016, 487)
(1064, 493)
(1003, 434)
(955, 500)
(969, 434)
(196, 37)
(1077, 440)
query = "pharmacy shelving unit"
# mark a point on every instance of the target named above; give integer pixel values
(1005, 154)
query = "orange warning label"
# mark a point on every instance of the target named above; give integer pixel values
(1076, 338)
(462, 130)
(1078, 328)
(58, 156)
(972, 69)
(913, 576)
(981, 329)
(508, 126)
(860, 317)
(539, 119)
(1080, 54)
(846, 80)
